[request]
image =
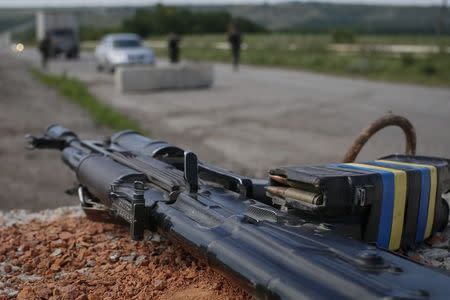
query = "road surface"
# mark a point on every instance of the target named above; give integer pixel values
(34, 179)
(259, 118)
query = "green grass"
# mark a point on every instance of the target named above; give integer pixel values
(77, 92)
(311, 52)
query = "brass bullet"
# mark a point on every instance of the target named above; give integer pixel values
(279, 179)
(285, 181)
(296, 194)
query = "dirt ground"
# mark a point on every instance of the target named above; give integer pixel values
(73, 258)
(31, 179)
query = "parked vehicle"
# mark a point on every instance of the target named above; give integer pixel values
(122, 49)
(63, 41)
(62, 32)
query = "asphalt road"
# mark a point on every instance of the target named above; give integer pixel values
(34, 179)
(259, 118)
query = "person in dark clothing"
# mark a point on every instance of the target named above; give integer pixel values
(235, 40)
(44, 48)
(173, 44)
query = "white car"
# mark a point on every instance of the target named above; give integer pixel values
(122, 49)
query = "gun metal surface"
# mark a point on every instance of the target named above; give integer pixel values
(226, 218)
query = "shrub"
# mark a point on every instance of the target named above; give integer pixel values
(408, 59)
(429, 69)
(343, 36)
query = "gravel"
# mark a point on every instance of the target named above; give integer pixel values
(59, 254)
(21, 216)
(435, 251)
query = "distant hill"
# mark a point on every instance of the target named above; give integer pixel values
(92, 17)
(9, 20)
(293, 16)
(309, 17)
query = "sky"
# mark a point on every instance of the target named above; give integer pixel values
(72, 3)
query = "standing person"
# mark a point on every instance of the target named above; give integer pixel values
(235, 39)
(44, 48)
(173, 42)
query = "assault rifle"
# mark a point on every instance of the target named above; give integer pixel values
(305, 232)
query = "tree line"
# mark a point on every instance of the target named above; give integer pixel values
(162, 19)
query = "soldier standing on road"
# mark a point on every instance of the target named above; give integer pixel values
(235, 39)
(173, 42)
(44, 48)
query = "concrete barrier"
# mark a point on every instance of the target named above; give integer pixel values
(180, 76)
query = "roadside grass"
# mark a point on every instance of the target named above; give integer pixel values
(77, 92)
(312, 52)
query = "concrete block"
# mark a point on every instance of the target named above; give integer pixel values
(148, 78)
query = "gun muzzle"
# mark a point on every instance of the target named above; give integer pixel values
(56, 137)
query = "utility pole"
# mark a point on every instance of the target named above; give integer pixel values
(441, 18)
(441, 26)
